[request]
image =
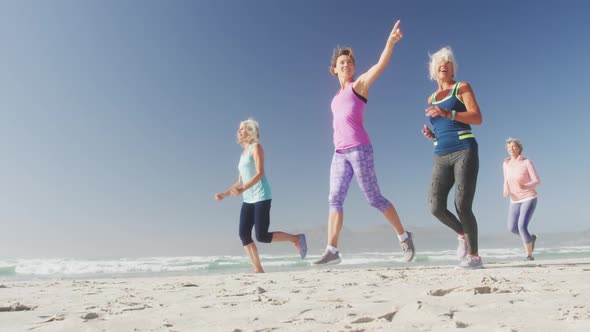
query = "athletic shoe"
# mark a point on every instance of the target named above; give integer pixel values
(301, 245)
(530, 258)
(461, 248)
(328, 258)
(408, 248)
(471, 263)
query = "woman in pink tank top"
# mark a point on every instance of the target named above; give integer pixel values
(353, 152)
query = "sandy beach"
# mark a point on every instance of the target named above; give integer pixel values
(549, 295)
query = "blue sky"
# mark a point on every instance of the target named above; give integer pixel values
(119, 117)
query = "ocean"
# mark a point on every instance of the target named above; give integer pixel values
(69, 268)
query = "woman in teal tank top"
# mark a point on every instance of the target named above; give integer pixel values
(255, 189)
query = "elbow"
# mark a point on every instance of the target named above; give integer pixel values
(478, 120)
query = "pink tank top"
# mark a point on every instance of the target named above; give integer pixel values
(348, 109)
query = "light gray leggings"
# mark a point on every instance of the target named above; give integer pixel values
(519, 216)
(460, 167)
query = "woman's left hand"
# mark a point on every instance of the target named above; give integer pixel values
(434, 111)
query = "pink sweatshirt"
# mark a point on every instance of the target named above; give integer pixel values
(520, 172)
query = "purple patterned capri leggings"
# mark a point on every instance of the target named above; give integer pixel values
(357, 161)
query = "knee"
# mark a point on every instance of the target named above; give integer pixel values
(464, 211)
(379, 202)
(246, 238)
(436, 207)
(264, 237)
(513, 229)
(336, 203)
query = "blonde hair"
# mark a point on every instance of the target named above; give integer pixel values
(516, 141)
(445, 54)
(253, 129)
(338, 51)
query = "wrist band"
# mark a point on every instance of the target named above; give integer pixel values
(453, 115)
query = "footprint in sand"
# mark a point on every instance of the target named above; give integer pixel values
(363, 320)
(17, 307)
(441, 292)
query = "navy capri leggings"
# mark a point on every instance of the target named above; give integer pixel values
(257, 216)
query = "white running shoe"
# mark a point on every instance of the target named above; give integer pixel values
(471, 263)
(461, 247)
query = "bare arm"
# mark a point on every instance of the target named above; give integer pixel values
(472, 116)
(258, 156)
(365, 80)
(222, 195)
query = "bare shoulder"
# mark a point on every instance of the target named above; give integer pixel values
(360, 86)
(257, 149)
(464, 87)
(256, 146)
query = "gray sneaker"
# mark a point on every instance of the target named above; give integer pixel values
(471, 263)
(328, 258)
(408, 247)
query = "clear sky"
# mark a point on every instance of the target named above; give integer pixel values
(118, 118)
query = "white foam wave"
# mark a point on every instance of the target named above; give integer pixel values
(208, 264)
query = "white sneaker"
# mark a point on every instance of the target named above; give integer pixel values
(471, 263)
(461, 248)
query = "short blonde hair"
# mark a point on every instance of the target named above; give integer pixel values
(445, 54)
(516, 141)
(253, 129)
(338, 51)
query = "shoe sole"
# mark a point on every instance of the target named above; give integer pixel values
(332, 262)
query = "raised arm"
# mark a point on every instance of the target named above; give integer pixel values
(365, 80)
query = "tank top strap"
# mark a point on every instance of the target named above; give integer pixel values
(456, 89)
(433, 98)
(250, 148)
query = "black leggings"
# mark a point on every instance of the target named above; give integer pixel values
(255, 215)
(460, 167)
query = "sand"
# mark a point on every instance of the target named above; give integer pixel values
(550, 295)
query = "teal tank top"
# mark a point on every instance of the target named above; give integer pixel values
(260, 191)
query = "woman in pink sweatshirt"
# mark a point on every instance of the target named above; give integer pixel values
(520, 180)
